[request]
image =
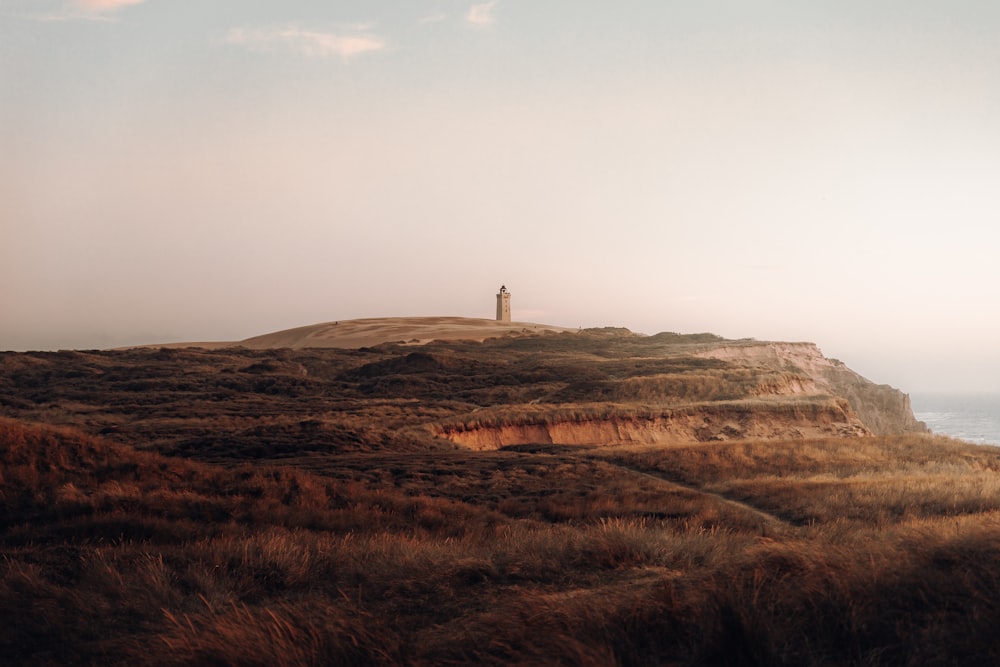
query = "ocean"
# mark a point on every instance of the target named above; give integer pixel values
(970, 417)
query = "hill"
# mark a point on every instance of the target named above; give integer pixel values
(590, 497)
(597, 386)
(877, 550)
(783, 388)
(373, 331)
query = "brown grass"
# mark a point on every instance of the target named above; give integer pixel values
(245, 507)
(556, 555)
(873, 481)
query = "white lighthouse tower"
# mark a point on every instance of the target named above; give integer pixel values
(503, 305)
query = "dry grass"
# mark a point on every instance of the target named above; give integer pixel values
(805, 407)
(242, 507)
(557, 555)
(872, 481)
(238, 404)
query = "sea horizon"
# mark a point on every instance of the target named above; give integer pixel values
(970, 416)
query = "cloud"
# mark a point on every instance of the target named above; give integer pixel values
(106, 5)
(310, 43)
(86, 10)
(59, 17)
(433, 18)
(481, 15)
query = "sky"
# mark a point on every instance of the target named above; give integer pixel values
(804, 170)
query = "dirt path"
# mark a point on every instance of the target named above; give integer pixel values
(770, 524)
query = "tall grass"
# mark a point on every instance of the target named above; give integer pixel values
(805, 407)
(631, 556)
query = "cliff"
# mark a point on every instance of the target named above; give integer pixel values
(709, 390)
(883, 409)
(713, 422)
(487, 384)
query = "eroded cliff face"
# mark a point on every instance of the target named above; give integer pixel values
(742, 420)
(786, 390)
(882, 409)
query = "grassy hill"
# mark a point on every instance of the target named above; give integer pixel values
(841, 551)
(305, 507)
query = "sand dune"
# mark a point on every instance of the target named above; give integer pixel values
(350, 334)
(372, 331)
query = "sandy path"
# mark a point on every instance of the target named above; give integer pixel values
(770, 524)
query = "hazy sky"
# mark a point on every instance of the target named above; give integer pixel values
(778, 169)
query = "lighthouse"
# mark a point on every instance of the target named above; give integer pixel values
(503, 304)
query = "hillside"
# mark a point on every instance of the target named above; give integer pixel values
(367, 332)
(597, 386)
(860, 551)
(589, 497)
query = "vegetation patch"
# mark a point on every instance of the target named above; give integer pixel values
(276, 507)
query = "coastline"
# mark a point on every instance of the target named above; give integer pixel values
(970, 416)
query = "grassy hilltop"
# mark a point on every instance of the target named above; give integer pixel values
(441, 504)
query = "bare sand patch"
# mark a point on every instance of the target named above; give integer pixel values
(352, 334)
(376, 330)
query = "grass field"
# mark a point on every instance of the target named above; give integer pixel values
(239, 507)
(842, 551)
